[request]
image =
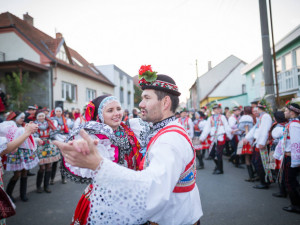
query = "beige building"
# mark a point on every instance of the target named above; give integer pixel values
(59, 74)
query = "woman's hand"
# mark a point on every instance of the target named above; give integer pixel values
(31, 128)
(82, 153)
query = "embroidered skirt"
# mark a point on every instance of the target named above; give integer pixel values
(3, 221)
(21, 159)
(48, 153)
(83, 208)
(247, 149)
(203, 145)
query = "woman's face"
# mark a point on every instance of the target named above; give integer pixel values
(58, 113)
(20, 121)
(112, 114)
(41, 117)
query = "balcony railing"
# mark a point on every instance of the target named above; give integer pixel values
(289, 80)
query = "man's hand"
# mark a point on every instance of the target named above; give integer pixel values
(31, 128)
(81, 153)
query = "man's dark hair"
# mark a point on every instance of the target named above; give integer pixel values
(174, 99)
(227, 107)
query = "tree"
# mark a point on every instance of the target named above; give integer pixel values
(16, 87)
(137, 96)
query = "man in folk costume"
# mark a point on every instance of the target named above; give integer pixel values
(164, 191)
(217, 127)
(259, 135)
(233, 122)
(288, 150)
(186, 122)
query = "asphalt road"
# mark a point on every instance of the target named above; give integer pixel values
(226, 199)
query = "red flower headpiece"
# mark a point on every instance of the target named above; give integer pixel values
(146, 75)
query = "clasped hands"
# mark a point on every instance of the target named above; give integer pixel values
(82, 153)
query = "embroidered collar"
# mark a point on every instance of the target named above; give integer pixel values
(161, 124)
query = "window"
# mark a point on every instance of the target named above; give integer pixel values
(297, 57)
(121, 95)
(90, 94)
(69, 92)
(128, 98)
(278, 65)
(253, 79)
(288, 61)
(243, 88)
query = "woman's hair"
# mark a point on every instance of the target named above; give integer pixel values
(279, 117)
(248, 110)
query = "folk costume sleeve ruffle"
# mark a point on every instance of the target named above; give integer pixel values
(123, 196)
(295, 144)
(3, 144)
(9, 130)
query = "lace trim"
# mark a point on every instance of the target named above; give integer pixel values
(115, 202)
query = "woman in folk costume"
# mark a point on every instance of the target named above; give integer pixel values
(116, 142)
(246, 123)
(288, 150)
(217, 127)
(258, 135)
(60, 122)
(10, 139)
(164, 192)
(276, 133)
(199, 124)
(46, 151)
(21, 160)
(80, 120)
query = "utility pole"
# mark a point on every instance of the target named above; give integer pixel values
(197, 87)
(274, 57)
(267, 59)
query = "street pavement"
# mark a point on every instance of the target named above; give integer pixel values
(226, 200)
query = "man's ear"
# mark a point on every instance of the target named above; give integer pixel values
(166, 103)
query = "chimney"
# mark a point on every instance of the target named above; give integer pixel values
(209, 65)
(59, 36)
(27, 18)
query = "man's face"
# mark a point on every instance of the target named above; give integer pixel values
(255, 112)
(183, 114)
(151, 108)
(287, 113)
(237, 112)
(31, 111)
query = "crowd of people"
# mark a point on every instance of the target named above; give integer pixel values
(266, 142)
(109, 139)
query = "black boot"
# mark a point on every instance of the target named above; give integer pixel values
(251, 174)
(46, 181)
(63, 179)
(219, 167)
(216, 167)
(53, 172)
(39, 180)
(29, 173)
(200, 158)
(23, 189)
(10, 188)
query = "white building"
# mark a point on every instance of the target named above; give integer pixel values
(123, 84)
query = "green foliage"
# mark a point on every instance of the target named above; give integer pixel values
(15, 90)
(137, 96)
(149, 76)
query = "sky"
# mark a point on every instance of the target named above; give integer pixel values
(170, 35)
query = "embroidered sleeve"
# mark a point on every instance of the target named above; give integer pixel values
(3, 144)
(141, 130)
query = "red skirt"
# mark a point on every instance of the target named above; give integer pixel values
(83, 207)
(204, 145)
(247, 149)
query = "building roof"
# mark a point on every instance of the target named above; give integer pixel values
(291, 36)
(49, 47)
(211, 79)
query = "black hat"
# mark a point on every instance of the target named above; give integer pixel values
(236, 108)
(293, 107)
(150, 80)
(184, 110)
(31, 107)
(215, 106)
(254, 102)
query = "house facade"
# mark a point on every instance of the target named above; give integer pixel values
(222, 81)
(124, 85)
(288, 70)
(58, 74)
